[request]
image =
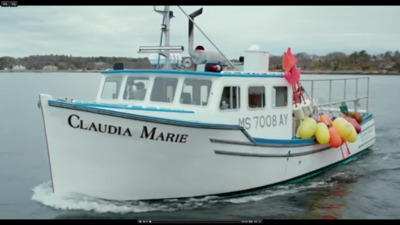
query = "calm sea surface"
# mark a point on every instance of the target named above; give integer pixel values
(366, 187)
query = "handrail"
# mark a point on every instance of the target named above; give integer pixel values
(326, 79)
(338, 102)
(330, 102)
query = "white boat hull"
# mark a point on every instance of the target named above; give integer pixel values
(124, 161)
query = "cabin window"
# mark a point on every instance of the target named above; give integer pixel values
(281, 96)
(257, 97)
(111, 88)
(195, 92)
(136, 88)
(163, 89)
(230, 98)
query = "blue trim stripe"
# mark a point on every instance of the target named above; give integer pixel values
(293, 141)
(192, 73)
(72, 105)
(367, 117)
(132, 107)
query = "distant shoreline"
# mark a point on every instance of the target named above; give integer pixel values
(345, 72)
(310, 72)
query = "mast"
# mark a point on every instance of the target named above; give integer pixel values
(167, 15)
(165, 49)
(161, 39)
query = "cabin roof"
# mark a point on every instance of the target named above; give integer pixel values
(196, 73)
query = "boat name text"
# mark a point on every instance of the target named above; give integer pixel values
(263, 121)
(76, 122)
(153, 134)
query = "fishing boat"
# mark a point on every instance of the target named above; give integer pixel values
(173, 133)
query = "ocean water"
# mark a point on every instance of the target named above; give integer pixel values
(365, 187)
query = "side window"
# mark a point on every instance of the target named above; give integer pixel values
(281, 96)
(163, 89)
(195, 92)
(136, 88)
(111, 88)
(230, 98)
(257, 97)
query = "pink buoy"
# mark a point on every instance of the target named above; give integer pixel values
(354, 122)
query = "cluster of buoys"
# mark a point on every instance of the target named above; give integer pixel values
(325, 131)
(356, 116)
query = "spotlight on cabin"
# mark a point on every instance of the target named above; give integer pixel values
(213, 67)
(118, 66)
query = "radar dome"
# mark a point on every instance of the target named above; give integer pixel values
(254, 48)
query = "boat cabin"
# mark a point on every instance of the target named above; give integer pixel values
(259, 102)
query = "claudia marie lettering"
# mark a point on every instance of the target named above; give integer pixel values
(74, 121)
(153, 134)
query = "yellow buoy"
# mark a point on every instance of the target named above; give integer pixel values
(322, 133)
(353, 137)
(343, 127)
(307, 128)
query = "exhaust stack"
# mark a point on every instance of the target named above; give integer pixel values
(200, 56)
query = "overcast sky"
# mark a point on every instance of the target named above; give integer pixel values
(120, 30)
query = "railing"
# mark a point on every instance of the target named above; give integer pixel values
(330, 105)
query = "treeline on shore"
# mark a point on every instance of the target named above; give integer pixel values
(388, 62)
(64, 62)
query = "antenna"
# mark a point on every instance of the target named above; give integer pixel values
(167, 15)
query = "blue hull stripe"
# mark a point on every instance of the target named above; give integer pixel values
(293, 141)
(257, 141)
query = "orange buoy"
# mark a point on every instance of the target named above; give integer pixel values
(357, 117)
(325, 119)
(354, 122)
(335, 140)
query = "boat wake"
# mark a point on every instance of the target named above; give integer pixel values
(43, 194)
(276, 191)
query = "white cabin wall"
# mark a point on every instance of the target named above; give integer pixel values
(255, 119)
(101, 85)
